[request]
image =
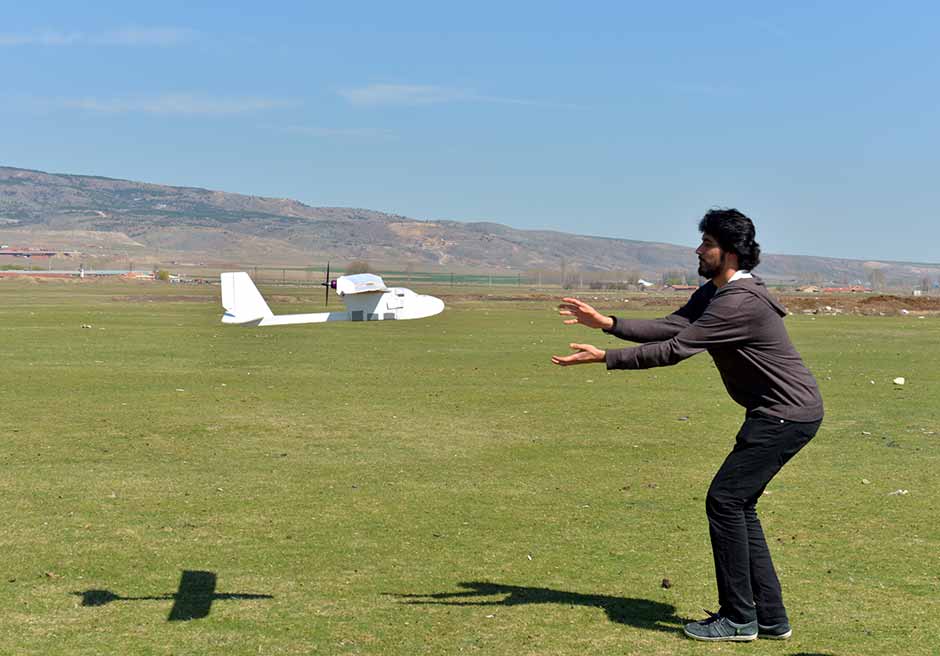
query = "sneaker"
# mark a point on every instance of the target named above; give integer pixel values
(717, 627)
(780, 631)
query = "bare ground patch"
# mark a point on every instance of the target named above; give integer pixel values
(862, 304)
(179, 298)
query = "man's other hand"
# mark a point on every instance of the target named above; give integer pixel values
(586, 354)
(584, 314)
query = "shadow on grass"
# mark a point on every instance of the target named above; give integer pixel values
(193, 600)
(639, 613)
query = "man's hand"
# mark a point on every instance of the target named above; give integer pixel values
(586, 354)
(584, 314)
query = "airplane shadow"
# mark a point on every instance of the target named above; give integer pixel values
(639, 613)
(193, 599)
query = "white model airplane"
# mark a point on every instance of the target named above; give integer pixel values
(365, 294)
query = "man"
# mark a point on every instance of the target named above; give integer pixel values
(733, 318)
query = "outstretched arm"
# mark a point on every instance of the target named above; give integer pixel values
(648, 330)
(584, 314)
(659, 330)
(639, 330)
(721, 325)
(584, 354)
(634, 330)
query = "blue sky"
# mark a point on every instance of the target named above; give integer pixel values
(819, 120)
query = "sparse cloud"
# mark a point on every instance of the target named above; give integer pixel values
(130, 36)
(403, 94)
(771, 28)
(425, 94)
(338, 133)
(147, 36)
(717, 90)
(177, 104)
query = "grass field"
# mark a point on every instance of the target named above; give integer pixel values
(433, 486)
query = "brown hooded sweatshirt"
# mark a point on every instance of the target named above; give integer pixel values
(741, 326)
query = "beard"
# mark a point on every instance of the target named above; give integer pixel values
(709, 271)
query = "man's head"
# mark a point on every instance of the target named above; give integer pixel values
(727, 241)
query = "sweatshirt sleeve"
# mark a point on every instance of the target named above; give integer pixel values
(722, 324)
(658, 330)
(648, 330)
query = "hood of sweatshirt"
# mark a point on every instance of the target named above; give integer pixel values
(755, 286)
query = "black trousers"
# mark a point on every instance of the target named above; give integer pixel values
(748, 587)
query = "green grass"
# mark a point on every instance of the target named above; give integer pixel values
(434, 486)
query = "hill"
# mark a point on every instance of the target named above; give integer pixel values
(108, 217)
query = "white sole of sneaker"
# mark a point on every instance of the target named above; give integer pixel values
(744, 638)
(782, 636)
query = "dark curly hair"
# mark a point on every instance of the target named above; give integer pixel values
(734, 232)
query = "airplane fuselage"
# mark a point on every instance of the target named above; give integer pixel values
(244, 305)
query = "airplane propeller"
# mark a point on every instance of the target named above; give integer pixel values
(328, 284)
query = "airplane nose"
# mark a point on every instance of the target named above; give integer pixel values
(433, 304)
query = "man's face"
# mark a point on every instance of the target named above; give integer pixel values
(711, 258)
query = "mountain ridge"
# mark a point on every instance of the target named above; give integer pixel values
(195, 222)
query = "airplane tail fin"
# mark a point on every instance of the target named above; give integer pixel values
(242, 301)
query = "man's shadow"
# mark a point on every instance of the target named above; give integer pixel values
(193, 599)
(639, 613)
